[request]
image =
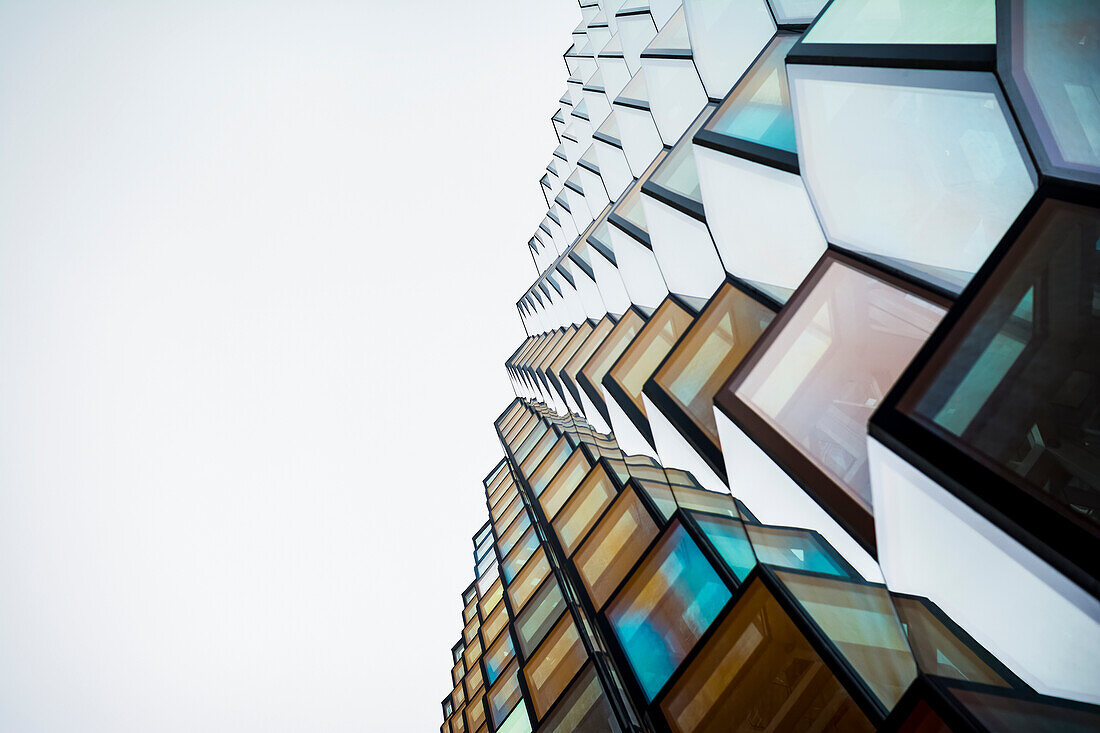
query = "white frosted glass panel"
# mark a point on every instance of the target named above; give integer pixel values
(676, 95)
(906, 21)
(743, 201)
(917, 167)
(796, 11)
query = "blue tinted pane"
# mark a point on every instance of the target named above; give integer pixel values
(729, 538)
(794, 548)
(665, 607)
(759, 107)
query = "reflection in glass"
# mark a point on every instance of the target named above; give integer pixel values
(758, 672)
(830, 364)
(554, 663)
(540, 614)
(613, 547)
(714, 345)
(665, 607)
(646, 352)
(583, 709)
(859, 620)
(584, 508)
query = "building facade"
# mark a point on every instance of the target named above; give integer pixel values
(806, 434)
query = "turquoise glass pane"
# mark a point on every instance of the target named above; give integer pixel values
(729, 538)
(665, 607)
(759, 107)
(906, 21)
(498, 659)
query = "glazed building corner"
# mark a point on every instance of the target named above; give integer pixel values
(807, 426)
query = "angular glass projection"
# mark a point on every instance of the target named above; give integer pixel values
(572, 368)
(534, 621)
(858, 618)
(554, 664)
(665, 606)
(796, 12)
(497, 657)
(583, 709)
(565, 482)
(906, 21)
(504, 695)
(534, 572)
(519, 554)
(941, 648)
(592, 374)
(557, 456)
(1001, 710)
(614, 546)
(921, 169)
(677, 173)
(758, 110)
(517, 721)
(1014, 382)
(822, 368)
(797, 549)
(729, 538)
(758, 672)
(582, 510)
(705, 357)
(629, 374)
(1054, 56)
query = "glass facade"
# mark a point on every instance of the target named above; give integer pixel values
(856, 486)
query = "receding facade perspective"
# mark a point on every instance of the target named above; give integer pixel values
(806, 434)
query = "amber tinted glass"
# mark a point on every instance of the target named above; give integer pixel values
(570, 349)
(494, 624)
(539, 452)
(528, 579)
(832, 361)
(564, 484)
(646, 352)
(475, 712)
(582, 510)
(758, 672)
(713, 347)
(613, 547)
(860, 622)
(1006, 712)
(613, 347)
(554, 664)
(938, 649)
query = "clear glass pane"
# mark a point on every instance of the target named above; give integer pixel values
(583, 709)
(831, 363)
(906, 21)
(535, 620)
(729, 538)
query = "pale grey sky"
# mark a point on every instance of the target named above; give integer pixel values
(258, 263)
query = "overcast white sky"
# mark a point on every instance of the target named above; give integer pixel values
(258, 263)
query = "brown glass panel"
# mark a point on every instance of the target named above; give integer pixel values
(612, 348)
(571, 348)
(491, 598)
(582, 709)
(538, 453)
(555, 351)
(645, 353)
(505, 515)
(470, 630)
(859, 620)
(924, 719)
(475, 712)
(554, 664)
(714, 345)
(565, 482)
(591, 344)
(474, 680)
(548, 468)
(528, 579)
(613, 547)
(938, 649)
(583, 509)
(472, 653)
(510, 536)
(758, 672)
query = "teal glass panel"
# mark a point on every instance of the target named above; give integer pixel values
(729, 538)
(517, 721)
(497, 658)
(759, 107)
(665, 607)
